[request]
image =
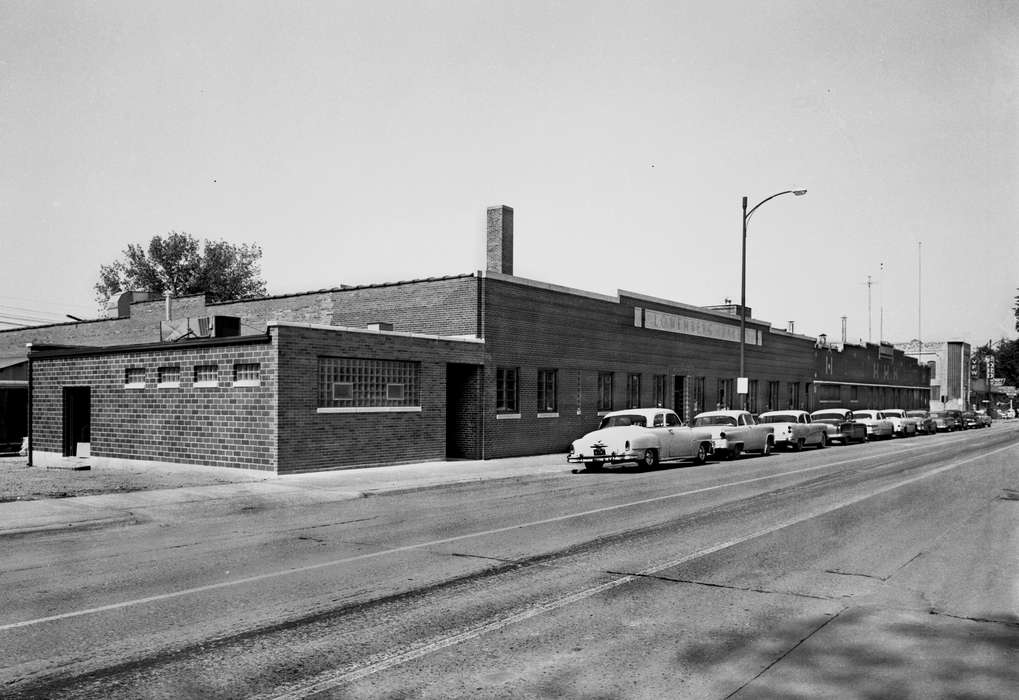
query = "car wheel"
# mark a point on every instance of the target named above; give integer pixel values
(649, 459)
(768, 444)
(702, 455)
(798, 445)
(824, 442)
(734, 452)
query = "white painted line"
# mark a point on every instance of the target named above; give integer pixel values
(422, 545)
(381, 662)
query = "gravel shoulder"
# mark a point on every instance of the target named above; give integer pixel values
(21, 482)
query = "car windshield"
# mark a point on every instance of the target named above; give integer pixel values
(702, 421)
(623, 420)
(778, 418)
(826, 416)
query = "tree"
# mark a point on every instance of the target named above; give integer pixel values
(182, 265)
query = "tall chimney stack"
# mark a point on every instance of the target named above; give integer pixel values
(500, 239)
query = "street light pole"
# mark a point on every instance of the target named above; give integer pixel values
(743, 286)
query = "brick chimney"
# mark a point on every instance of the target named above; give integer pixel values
(500, 239)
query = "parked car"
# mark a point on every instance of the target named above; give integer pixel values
(877, 425)
(924, 422)
(902, 425)
(957, 415)
(1009, 413)
(795, 430)
(945, 422)
(841, 426)
(984, 418)
(646, 436)
(970, 420)
(733, 432)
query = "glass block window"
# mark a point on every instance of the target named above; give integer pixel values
(247, 372)
(548, 390)
(134, 376)
(206, 374)
(605, 391)
(507, 389)
(169, 375)
(349, 382)
(633, 391)
(659, 398)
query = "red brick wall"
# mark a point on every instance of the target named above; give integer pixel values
(226, 426)
(310, 440)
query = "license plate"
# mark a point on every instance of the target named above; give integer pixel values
(599, 451)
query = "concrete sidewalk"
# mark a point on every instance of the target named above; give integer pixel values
(84, 512)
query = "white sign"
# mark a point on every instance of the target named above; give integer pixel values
(742, 385)
(704, 328)
(997, 381)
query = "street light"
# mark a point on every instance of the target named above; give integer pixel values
(743, 289)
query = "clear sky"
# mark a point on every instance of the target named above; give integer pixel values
(361, 142)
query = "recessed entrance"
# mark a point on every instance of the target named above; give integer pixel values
(77, 418)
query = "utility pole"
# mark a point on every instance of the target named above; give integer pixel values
(869, 315)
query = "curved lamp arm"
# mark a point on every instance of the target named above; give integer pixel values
(748, 214)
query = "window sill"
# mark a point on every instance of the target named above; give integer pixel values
(507, 416)
(139, 385)
(248, 382)
(206, 385)
(168, 385)
(548, 415)
(369, 409)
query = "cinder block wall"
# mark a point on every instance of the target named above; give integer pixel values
(224, 426)
(309, 440)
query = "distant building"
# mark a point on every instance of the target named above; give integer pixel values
(949, 364)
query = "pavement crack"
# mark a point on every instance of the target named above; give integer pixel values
(839, 572)
(708, 584)
(1007, 623)
(515, 562)
(787, 652)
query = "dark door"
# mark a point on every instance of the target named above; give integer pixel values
(77, 418)
(463, 411)
(678, 395)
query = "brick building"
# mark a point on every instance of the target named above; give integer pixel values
(479, 365)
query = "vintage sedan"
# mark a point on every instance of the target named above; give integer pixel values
(924, 422)
(841, 426)
(945, 422)
(877, 425)
(902, 425)
(970, 420)
(984, 418)
(646, 436)
(733, 432)
(795, 429)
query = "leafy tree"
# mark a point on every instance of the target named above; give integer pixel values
(182, 265)
(1006, 362)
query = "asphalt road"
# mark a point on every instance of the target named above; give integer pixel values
(878, 570)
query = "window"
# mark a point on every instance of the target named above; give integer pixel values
(169, 376)
(659, 389)
(725, 393)
(829, 392)
(633, 391)
(671, 419)
(507, 390)
(580, 393)
(854, 393)
(773, 404)
(356, 384)
(247, 374)
(752, 397)
(794, 394)
(698, 394)
(207, 375)
(605, 391)
(134, 378)
(548, 390)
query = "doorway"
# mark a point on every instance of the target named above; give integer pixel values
(77, 418)
(679, 396)
(464, 394)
